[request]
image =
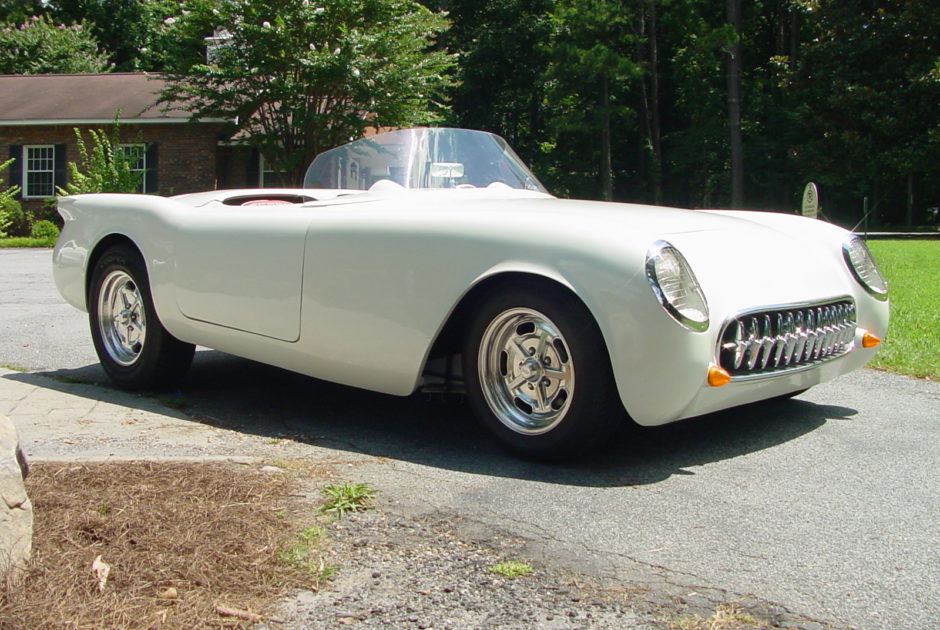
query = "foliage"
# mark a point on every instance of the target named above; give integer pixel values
(499, 45)
(20, 10)
(12, 218)
(44, 230)
(143, 34)
(10, 208)
(912, 269)
(102, 168)
(347, 497)
(841, 93)
(7, 209)
(300, 78)
(591, 69)
(41, 46)
(305, 554)
(867, 74)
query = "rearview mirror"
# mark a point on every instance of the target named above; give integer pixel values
(449, 170)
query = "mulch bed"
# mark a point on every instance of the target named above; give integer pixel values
(188, 546)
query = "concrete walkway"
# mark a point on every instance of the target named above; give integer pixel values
(61, 421)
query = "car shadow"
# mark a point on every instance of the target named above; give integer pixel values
(439, 431)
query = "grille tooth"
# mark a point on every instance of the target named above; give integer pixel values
(739, 346)
(789, 333)
(776, 340)
(820, 333)
(800, 338)
(753, 343)
(767, 342)
(780, 341)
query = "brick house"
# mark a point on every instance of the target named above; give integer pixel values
(38, 115)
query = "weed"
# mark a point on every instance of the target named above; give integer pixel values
(72, 380)
(176, 402)
(347, 497)
(511, 569)
(13, 368)
(727, 616)
(304, 554)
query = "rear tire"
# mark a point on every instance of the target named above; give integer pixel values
(538, 373)
(134, 348)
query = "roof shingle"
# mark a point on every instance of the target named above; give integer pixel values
(84, 98)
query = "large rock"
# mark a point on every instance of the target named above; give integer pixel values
(16, 512)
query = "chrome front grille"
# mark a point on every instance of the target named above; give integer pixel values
(768, 341)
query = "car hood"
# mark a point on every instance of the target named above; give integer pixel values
(741, 258)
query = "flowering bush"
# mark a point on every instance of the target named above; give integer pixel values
(40, 46)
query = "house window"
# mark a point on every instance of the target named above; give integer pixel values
(137, 155)
(39, 171)
(267, 176)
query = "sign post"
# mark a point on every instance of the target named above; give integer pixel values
(810, 201)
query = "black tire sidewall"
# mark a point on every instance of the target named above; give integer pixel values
(160, 350)
(595, 407)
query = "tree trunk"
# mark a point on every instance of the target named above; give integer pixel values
(734, 106)
(656, 135)
(909, 215)
(607, 184)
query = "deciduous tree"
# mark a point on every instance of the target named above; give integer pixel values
(299, 77)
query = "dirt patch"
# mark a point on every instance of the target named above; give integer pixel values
(188, 546)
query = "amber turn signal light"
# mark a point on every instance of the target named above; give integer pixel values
(718, 376)
(870, 340)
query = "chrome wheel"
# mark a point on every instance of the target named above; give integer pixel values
(526, 372)
(122, 319)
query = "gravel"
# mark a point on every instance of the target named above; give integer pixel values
(394, 572)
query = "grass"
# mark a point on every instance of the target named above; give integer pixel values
(189, 546)
(347, 497)
(27, 241)
(13, 368)
(511, 569)
(913, 272)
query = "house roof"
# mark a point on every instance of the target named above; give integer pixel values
(69, 99)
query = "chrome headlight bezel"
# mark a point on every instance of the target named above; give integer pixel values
(693, 315)
(863, 267)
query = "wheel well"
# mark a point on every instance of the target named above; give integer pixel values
(104, 245)
(450, 339)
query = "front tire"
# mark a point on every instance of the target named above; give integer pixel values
(538, 373)
(134, 348)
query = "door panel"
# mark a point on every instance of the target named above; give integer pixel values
(242, 267)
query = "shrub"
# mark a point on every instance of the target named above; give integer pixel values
(13, 221)
(10, 209)
(50, 212)
(103, 167)
(45, 229)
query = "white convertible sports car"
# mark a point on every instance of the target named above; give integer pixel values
(429, 255)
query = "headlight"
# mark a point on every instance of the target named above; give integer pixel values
(863, 267)
(675, 286)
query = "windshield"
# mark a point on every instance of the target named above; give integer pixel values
(422, 158)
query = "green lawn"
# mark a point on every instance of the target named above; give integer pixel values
(913, 272)
(26, 241)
